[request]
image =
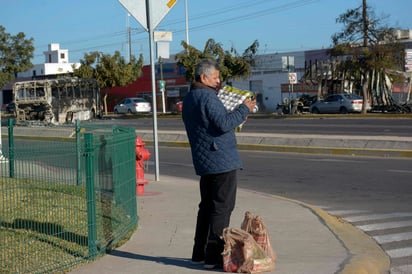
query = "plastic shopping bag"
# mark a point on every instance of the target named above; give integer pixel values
(242, 254)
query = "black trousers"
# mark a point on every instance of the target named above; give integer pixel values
(217, 201)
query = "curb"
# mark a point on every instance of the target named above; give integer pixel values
(365, 255)
(308, 150)
(333, 145)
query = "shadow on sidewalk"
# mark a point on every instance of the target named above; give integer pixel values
(179, 262)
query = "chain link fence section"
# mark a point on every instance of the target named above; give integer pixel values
(66, 200)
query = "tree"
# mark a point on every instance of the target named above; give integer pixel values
(367, 50)
(232, 65)
(15, 54)
(109, 71)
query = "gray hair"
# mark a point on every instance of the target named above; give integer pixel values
(205, 66)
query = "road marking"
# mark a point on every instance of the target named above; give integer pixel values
(397, 237)
(362, 215)
(386, 225)
(400, 170)
(334, 160)
(400, 252)
(404, 269)
(346, 212)
(377, 216)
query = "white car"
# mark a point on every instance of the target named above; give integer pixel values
(133, 105)
(338, 103)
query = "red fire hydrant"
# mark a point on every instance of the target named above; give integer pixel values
(142, 155)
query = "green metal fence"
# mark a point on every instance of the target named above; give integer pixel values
(64, 201)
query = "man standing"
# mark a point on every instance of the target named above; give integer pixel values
(211, 132)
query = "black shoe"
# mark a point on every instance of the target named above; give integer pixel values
(194, 262)
(214, 258)
(213, 265)
(213, 261)
(198, 256)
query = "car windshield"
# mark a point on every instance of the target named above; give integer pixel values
(139, 100)
(352, 96)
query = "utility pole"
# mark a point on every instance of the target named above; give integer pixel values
(187, 23)
(365, 50)
(129, 36)
(130, 44)
(365, 23)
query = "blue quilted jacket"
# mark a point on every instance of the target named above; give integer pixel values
(211, 131)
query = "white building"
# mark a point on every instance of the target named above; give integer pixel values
(269, 72)
(56, 62)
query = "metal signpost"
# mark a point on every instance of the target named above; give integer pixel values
(162, 39)
(292, 80)
(149, 14)
(288, 64)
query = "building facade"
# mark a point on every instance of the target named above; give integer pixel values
(56, 61)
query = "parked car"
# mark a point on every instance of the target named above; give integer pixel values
(338, 103)
(177, 107)
(132, 105)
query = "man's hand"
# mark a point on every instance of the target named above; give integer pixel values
(251, 104)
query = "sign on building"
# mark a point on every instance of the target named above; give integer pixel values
(293, 78)
(408, 59)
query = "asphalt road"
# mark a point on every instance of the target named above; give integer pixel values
(365, 183)
(344, 125)
(373, 194)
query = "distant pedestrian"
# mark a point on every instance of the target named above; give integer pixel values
(211, 132)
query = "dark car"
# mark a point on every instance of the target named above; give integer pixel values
(177, 107)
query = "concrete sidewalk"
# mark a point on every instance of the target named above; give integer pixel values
(305, 238)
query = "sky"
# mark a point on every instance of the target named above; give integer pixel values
(84, 26)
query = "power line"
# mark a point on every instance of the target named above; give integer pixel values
(208, 14)
(259, 13)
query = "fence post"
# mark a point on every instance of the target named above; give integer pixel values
(90, 195)
(78, 153)
(11, 148)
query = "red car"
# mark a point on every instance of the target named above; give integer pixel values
(178, 106)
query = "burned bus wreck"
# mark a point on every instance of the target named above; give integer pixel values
(56, 101)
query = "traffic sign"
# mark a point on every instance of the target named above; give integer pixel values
(293, 79)
(149, 14)
(158, 10)
(162, 85)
